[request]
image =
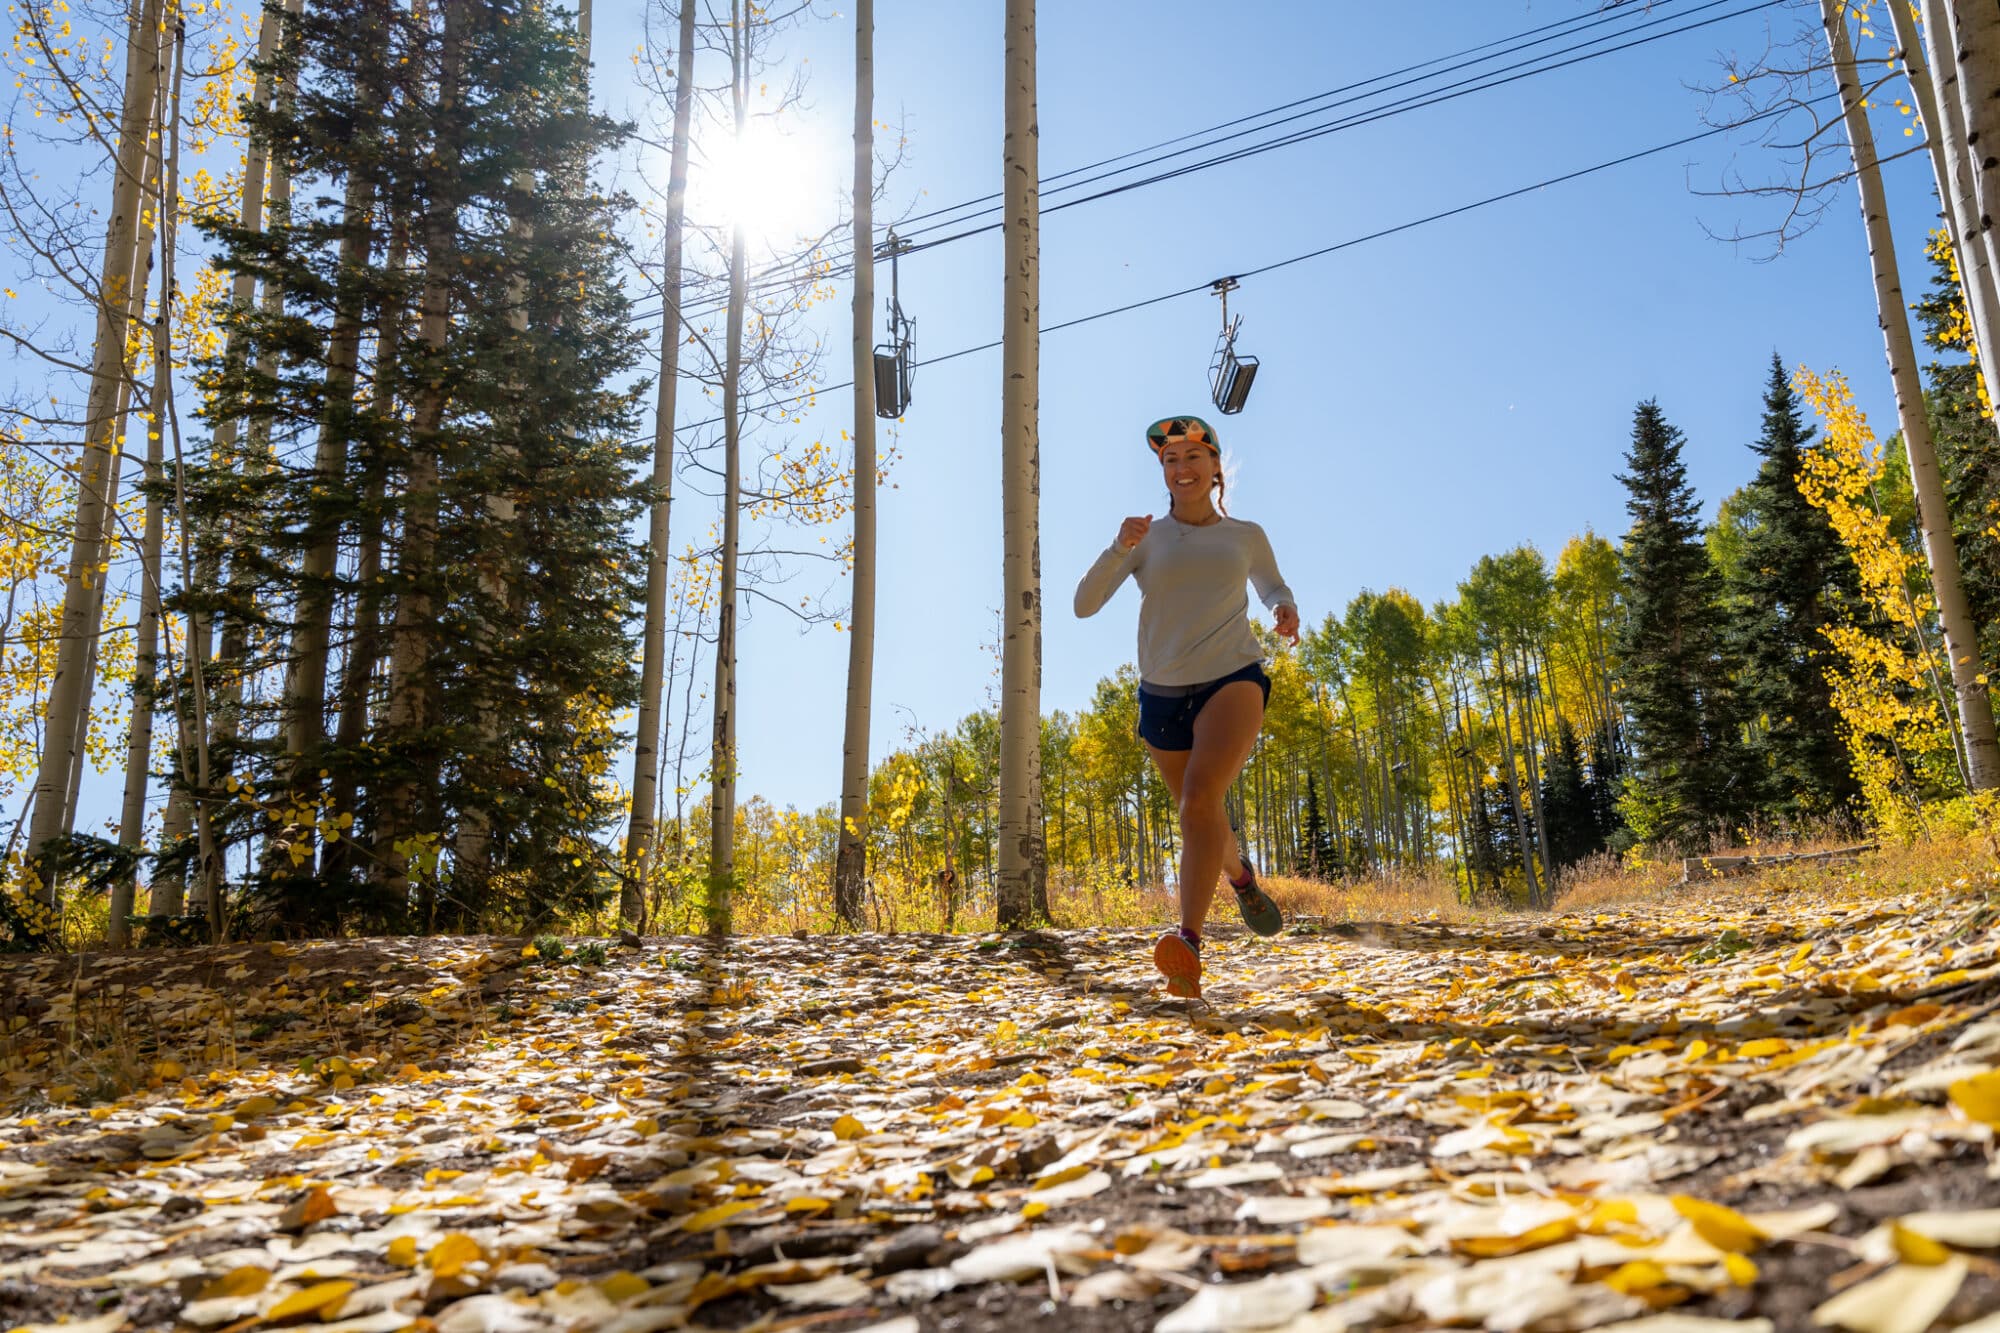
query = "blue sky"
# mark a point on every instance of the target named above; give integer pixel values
(1425, 399)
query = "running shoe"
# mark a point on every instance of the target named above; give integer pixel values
(1259, 912)
(1180, 963)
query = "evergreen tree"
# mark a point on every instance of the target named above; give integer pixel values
(1607, 770)
(1573, 831)
(480, 489)
(1673, 649)
(1316, 856)
(1792, 580)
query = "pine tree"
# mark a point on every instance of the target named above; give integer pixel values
(1607, 771)
(1792, 580)
(1316, 855)
(1573, 832)
(499, 330)
(1673, 646)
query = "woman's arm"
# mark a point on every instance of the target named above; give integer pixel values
(1102, 578)
(1264, 575)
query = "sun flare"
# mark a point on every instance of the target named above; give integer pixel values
(772, 182)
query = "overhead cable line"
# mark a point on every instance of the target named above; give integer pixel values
(1204, 288)
(1479, 83)
(791, 271)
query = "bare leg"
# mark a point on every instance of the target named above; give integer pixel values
(1225, 731)
(1173, 767)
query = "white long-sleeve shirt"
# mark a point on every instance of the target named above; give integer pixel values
(1194, 615)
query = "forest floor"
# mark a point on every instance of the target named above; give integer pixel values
(1769, 1101)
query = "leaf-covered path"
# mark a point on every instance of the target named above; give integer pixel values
(1741, 1104)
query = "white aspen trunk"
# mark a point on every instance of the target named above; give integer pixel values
(1934, 84)
(1530, 730)
(272, 199)
(1513, 782)
(96, 496)
(408, 709)
(1975, 707)
(195, 770)
(1973, 27)
(640, 837)
(722, 799)
(1020, 481)
(364, 649)
(243, 289)
(950, 843)
(850, 867)
(146, 636)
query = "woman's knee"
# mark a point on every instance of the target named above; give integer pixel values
(1201, 795)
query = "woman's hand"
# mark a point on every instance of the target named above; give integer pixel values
(1287, 625)
(1133, 530)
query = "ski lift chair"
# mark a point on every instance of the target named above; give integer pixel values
(892, 359)
(1230, 373)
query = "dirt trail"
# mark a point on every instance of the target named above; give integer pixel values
(1740, 1104)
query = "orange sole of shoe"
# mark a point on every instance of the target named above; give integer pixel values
(1180, 965)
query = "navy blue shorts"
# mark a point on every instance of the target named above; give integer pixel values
(1166, 721)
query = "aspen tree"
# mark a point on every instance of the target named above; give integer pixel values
(1934, 86)
(1975, 709)
(1972, 27)
(640, 836)
(401, 831)
(96, 497)
(1020, 481)
(306, 670)
(850, 861)
(145, 653)
(722, 762)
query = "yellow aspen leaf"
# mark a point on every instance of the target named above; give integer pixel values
(1915, 1248)
(806, 1203)
(1696, 1049)
(1639, 1276)
(1033, 1209)
(847, 1127)
(1763, 1046)
(708, 1219)
(245, 1281)
(1493, 1247)
(1064, 1176)
(403, 1252)
(449, 1256)
(1720, 1226)
(623, 1286)
(1741, 1269)
(322, 1298)
(1978, 1097)
(252, 1107)
(1021, 1120)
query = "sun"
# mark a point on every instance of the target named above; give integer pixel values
(777, 184)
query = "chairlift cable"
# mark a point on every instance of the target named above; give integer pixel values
(1359, 119)
(1208, 286)
(1613, 14)
(795, 272)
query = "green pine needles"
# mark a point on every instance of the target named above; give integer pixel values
(420, 543)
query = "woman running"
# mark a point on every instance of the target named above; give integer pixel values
(1202, 687)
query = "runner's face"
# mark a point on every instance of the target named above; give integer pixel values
(1189, 468)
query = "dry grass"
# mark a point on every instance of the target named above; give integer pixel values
(1393, 897)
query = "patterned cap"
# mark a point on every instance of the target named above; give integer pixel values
(1193, 429)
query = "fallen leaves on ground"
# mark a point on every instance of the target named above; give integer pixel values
(1742, 1105)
